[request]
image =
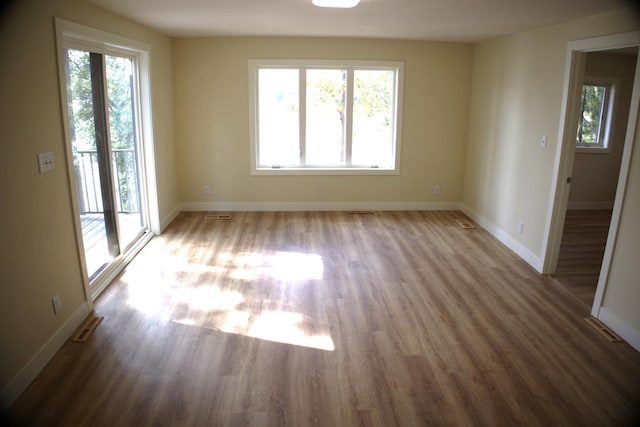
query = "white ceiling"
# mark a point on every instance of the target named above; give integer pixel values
(447, 20)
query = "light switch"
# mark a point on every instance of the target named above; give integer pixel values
(45, 161)
(543, 141)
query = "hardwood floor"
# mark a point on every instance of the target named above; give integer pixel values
(334, 319)
(583, 241)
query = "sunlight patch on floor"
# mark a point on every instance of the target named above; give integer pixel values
(208, 298)
(282, 327)
(155, 289)
(288, 266)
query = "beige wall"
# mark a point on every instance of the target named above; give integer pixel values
(212, 121)
(38, 252)
(516, 98)
(595, 175)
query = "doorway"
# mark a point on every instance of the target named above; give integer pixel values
(607, 86)
(106, 155)
(566, 152)
(105, 101)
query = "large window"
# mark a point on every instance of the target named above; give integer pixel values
(319, 117)
(596, 109)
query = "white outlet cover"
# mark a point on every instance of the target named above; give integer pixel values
(45, 162)
(57, 304)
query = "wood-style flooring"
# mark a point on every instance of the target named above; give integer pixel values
(583, 241)
(334, 319)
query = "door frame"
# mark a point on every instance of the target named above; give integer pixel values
(103, 42)
(574, 72)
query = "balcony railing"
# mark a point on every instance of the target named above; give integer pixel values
(124, 160)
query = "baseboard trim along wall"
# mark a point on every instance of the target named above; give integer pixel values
(170, 217)
(33, 367)
(620, 327)
(318, 206)
(529, 257)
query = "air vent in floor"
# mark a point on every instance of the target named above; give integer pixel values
(464, 223)
(603, 329)
(217, 217)
(87, 329)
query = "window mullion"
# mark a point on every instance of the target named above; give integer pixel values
(348, 140)
(302, 93)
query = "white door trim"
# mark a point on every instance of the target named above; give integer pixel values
(83, 37)
(566, 148)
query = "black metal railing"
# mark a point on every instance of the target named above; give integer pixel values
(124, 170)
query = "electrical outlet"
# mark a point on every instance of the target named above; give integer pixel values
(45, 162)
(57, 304)
(206, 190)
(437, 190)
(520, 227)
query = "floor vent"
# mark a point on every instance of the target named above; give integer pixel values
(603, 329)
(87, 329)
(217, 217)
(361, 212)
(466, 224)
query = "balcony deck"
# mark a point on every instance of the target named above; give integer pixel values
(94, 237)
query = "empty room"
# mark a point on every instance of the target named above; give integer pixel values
(319, 212)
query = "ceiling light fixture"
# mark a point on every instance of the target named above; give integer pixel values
(336, 3)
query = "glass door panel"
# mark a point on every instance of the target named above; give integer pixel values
(124, 149)
(101, 99)
(82, 125)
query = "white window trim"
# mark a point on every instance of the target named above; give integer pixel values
(611, 101)
(255, 64)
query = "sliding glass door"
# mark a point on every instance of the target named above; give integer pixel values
(103, 125)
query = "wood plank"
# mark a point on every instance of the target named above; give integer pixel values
(583, 241)
(330, 318)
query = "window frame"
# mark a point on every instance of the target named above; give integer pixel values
(608, 115)
(256, 64)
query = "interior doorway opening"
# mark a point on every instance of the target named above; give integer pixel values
(565, 155)
(596, 170)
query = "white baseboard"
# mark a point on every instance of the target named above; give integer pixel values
(318, 206)
(28, 373)
(170, 217)
(591, 206)
(529, 257)
(620, 327)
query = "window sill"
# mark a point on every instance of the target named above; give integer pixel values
(593, 150)
(324, 171)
